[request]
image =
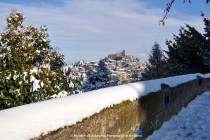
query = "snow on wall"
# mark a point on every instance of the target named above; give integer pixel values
(28, 121)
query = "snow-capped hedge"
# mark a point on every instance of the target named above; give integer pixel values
(28, 121)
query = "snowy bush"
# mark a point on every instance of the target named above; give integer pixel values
(30, 69)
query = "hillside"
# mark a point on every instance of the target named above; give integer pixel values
(115, 69)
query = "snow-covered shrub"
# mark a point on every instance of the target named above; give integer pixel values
(30, 69)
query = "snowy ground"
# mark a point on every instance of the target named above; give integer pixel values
(192, 123)
(28, 121)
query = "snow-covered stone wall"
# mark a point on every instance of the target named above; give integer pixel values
(114, 110)
(146, 113)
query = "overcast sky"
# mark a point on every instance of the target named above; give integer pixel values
(91, 29)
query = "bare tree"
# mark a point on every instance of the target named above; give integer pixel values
(169, 6)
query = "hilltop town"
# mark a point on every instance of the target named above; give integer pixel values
(115, 69)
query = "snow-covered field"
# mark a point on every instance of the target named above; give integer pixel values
(192, 123)
(28, 121)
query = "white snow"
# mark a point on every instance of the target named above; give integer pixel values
(63, 93)
(28, 121)
(36, 83)
(191, 123)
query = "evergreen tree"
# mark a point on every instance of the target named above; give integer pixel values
(103, 72)
(30, 69)
(188, 51)
(99, 77)
(155, 66)
(206, 51)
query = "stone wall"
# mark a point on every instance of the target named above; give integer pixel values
(147, 113)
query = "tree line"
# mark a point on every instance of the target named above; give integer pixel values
(188, 52)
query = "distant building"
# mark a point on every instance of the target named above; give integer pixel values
(117, 56)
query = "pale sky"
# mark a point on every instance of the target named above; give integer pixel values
(91, 29)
